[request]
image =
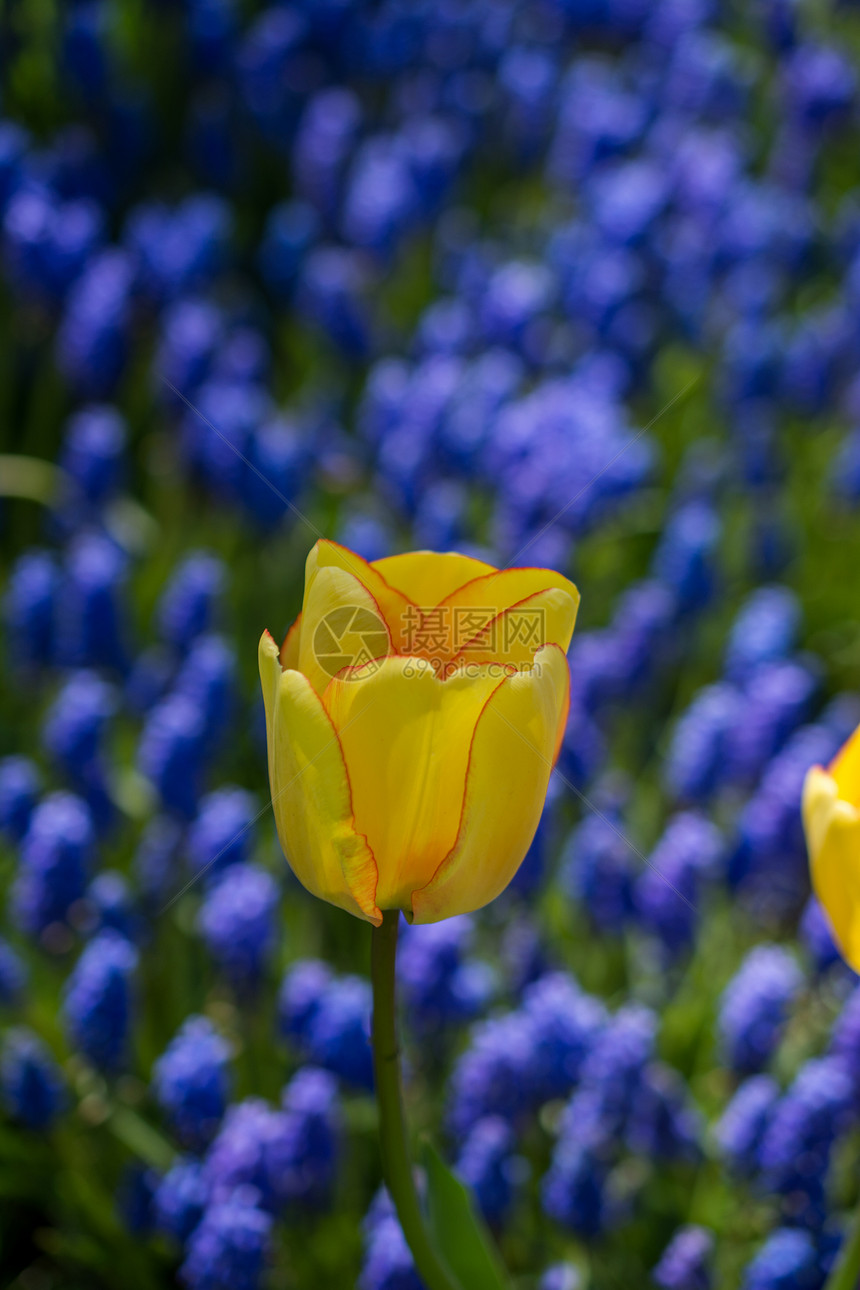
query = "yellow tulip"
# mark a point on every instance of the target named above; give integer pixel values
(414, 714)
(831, 821)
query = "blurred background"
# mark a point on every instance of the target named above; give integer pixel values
(555, 282)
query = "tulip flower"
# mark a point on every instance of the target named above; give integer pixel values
(414, 714)
(831, 820)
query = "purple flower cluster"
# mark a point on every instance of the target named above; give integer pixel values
(98, 1001)
(191, 1082)
(327, 1019)
(754, 1007)
(440, 983)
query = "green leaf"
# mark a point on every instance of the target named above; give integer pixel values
(458, 1232)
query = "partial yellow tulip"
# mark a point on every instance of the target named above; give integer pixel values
(414, 713)
(831, 821)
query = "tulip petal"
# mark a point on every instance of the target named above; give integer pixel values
(516, 611)
(845, 769)
(311, 795)
(406, 736)
(511, 758)
(516, 634)
(833, 832)
(342, 626)
(427, 577)
(290, 647)
(391, 603)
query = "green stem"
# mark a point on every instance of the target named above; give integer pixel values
(396, 1164)
(846, 1273)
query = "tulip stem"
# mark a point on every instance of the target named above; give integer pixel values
(846, 1270)
(396, 1162)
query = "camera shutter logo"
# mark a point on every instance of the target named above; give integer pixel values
(350, 636)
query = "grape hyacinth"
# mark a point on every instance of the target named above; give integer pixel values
(191, 1082)
(98, 1002)
(56, 855)
(237, 921)
(684, 1263)
(30, 1080)
(754, 1006)
(229, 1248)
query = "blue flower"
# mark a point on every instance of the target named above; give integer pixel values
(764, 631)
(561, 1276)
(91, 617)
(269, 58)
(667, 893)
(291, 230)
(172, 752)
(695, 765)
(845, 1041)
(134, 1198)
(303, 1155)
(208, 679)
(815, 934)
(338, 1032)
(754, 1007)
(187, 606)
(191, 332)
(332, 292)
(741, 1128)
(47, 241)
(663, 1124)
(574, 1190)
(13, 152)
(597, 869)
(178, 251)
(388, 1262)
(29, 608)
(769, 865)
(76, 722)
(684, 1263)
(230, 1247)
(92, 340)
(302, 991)
(786, 1261)
(439, 984)
(156, 859)
(279, 458)
(223, 832)
(30, 1081)
(244, 1151)
(97, 1003)
(324, 143)
(112, 904)
(795, 1151)
(180, 1199)
(381, 201)
(20, 783)
(820, 85)
(148, 679)
(491, 1076)
(565, 1025)
(13, 975)
(777, 699)
(56, 854)
(191, 1081)
(611, 1081)
(93, 452)
(237, 920)
(684, 558)
(488, 1166)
